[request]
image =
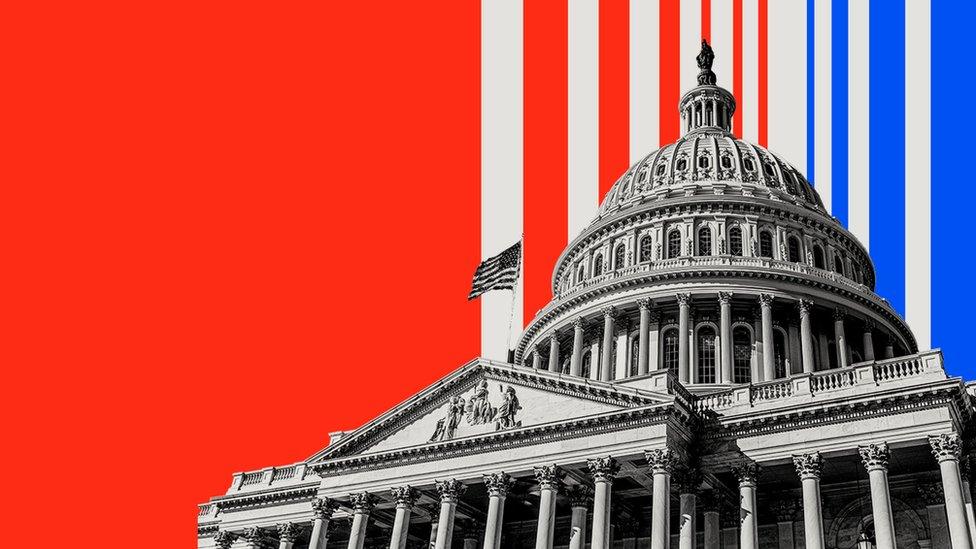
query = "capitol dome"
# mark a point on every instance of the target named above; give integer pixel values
(714, 258)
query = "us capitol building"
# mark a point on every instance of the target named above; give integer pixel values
(715, 371)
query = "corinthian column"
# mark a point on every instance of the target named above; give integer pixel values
(576, 360)
(947, 448)
(661, 462)
(404, 496)
(725, 333)
(808, 467)
(549, 478)
(806, 336)
(605, 354)
(747, 474)
(688, 482)
(450, 491)
(553, 352)
(684, 368)
(362, 506)
(322, 509)
(643, 364)
(287, 534)
(579, 497)
(840, 338)
(603, 470)
(224, 539)
(254, 537)
(498, 485)
(875, 458)
(868, 339)
(536, 358)
(712, 528)
(768, 350)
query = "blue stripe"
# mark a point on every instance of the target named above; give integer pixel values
(953, 294)
(811, 108)
(887, 148)
(838, 100)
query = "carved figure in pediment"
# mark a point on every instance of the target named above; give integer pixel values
(479, 411)
(447, 426)
(505, 418)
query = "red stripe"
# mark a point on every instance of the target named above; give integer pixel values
(545, 192)
(737, 66)
(763, 66)
(670, 49)
(706, 20)
(614, 91)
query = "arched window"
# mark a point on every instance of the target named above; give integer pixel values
(838, 264)
(793, 249)
(634, 355)
(674, 243)
(587, 362)
(706, 355)
(818, 258)
(565, 368)
(735, 240)
(645, 249)
(619, 257)
(670, 354)
(779, 353)
(598, 266)
(765, 244)
(741, 355)
(705, 241)
(856, 272)
(581, 273)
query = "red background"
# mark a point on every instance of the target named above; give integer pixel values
(229, 228)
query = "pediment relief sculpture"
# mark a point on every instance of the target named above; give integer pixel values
(478, 409)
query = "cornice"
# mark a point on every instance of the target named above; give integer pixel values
(696, 273)
(266, 498)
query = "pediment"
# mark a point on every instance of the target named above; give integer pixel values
(484, 398)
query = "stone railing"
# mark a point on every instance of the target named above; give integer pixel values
(269, 476)
(252, 478)
(923, 366)
(283, 473)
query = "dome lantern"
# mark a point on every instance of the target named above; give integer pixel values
(707, 106)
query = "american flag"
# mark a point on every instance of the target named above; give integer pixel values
(575, 91)
(500, 272)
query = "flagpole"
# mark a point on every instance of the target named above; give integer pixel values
(511, 312)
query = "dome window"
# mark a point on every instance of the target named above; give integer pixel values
(766, 244)
(789, 182)
(726, 162)
(620, 257)
(818, 258)
(669, 356)
(634, 355)
(768, 169)
(660, 169)
(779, 353)
(793, 249)
(598, 266)
(645, 249)
(587, 364)
(856, 272)
(580, 273)
(735, 241)
(706, 355)
(682, 164)
(838, 264)
(705, 241)
(704, 161)
(741, 355)
(750, 167)
(674, 244)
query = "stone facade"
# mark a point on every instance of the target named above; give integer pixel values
(714, 370)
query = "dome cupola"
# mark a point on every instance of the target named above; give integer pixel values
(707, 106)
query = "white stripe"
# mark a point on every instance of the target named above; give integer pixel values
(722, 42)
(822, 105)
(501, 159)
(918, 252)
(645, 71)
(858, 121)
(787, 101)
(750, 70)
(584, 113)
(690, 24)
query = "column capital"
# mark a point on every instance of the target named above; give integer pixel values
(724, 298)
(322, 508)
(683, 299)
(687, 479)
(874, 456)
(644, 303)
(450, 490)
(609, 311)
(224, 539)
(869, 325)
(661, 460)
(579, 496)
(553, 337)
(784, 509)
(549, 477)
(605, 468)
(765, 300)
(362, 502)
(805, 306)
(839, 314)
(579, 323)
(808, 465)
(932, 493)
(404, 496)
(747, 473)
(288, 531)
(498, 484)
(945, 447)
(254, 535)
